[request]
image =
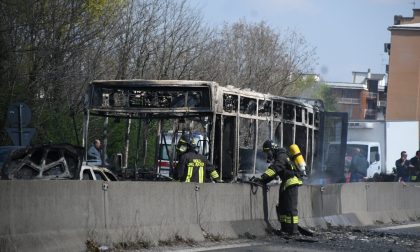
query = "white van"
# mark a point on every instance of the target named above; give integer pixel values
(370, 150)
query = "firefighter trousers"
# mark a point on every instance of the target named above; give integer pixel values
(287, 209)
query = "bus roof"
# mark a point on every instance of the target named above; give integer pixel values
(141, 82)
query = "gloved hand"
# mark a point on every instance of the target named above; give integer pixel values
(256, 180)
(219, 181)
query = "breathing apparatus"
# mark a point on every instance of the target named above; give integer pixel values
(297, 158)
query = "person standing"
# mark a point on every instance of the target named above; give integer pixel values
(402, 165)
(414, 168)
(282, 166)
(358, 166)
(191, 166)
(94, 155)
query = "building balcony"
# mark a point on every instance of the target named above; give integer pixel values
(381, 104)
(372, 95)
(348, 100)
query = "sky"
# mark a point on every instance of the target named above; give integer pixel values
(348, 35)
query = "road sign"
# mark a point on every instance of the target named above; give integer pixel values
(18, 113)
(23, 139)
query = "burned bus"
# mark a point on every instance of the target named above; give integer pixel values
(135, 117)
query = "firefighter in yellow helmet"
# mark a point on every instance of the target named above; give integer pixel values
(282, 166)
(193, 167)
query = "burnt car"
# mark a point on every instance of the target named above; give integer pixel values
(97, 173)
(5, 151)
(53, 161)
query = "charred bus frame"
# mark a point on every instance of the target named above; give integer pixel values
(235, 121)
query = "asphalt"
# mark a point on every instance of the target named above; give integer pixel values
(404, 237)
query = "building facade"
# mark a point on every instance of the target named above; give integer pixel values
(404, 68)
(364, 98)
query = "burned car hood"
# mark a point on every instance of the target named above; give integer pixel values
(52, 161)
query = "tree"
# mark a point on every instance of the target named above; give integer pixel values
(159, 39)
(324, 93)
(255, 56)
(44, 43)
(303, 87)
(51, 49)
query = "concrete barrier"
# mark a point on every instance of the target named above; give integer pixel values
(62, 215)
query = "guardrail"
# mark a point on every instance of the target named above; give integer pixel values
(62, 215)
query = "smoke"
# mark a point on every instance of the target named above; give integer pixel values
(261, 165)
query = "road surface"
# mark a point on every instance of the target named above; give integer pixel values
(371, 239)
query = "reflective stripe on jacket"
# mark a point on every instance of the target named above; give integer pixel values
(193, 167)
(292, 181)
(284, 168)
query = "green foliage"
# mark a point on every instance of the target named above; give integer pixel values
(309, 87)
(301, 86)
(43, 51)
(116, 139)
(324, 93)
(51, 50)
(99, 8)
(55, 125)
(96, 7)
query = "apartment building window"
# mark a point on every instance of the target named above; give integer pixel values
(348, 96)
(350, 93)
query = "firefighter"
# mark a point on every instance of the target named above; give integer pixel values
(192, 167)
(414, 168)
(281, 165)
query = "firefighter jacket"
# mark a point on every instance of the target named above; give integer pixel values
(414, 169)
(193, 167)
(284, 168)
